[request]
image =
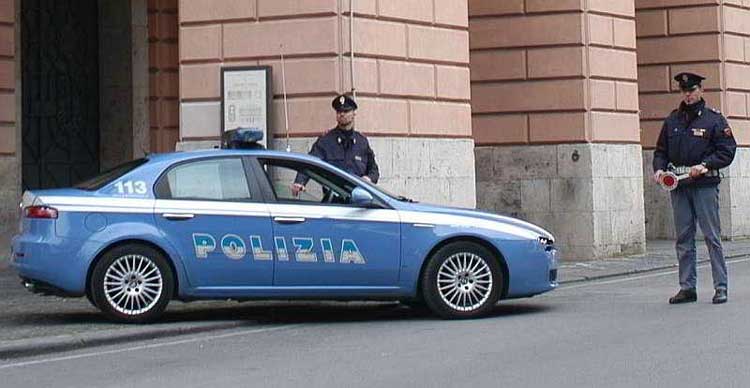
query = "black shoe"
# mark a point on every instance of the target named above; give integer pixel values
(684, 296)
(720, 296)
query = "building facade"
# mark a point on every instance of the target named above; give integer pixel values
(545, 110)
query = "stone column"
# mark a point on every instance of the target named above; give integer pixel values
(10, 123)
(710, 38)
(123, 81)
(411, 78)
(554, 103)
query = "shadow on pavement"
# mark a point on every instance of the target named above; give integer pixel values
(313, 312)
(332, 312)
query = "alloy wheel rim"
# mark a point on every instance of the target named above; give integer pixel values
(133, 284)
(464, 281)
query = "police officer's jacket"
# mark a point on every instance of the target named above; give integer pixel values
(347, 150)
(689, 138)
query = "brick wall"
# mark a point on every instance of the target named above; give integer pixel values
(712, 38)
(7, 79)
(553, 72)
(411, 70)
(10, 177)
(675, 36)
(555, 102)
(735, 20)
(163, 75)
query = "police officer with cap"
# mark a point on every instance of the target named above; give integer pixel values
(343, 146)
(698, 140)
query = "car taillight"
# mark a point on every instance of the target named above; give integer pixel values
(40, 212)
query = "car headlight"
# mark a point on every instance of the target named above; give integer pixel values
(546, 240)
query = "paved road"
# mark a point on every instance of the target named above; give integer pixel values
(614, 333)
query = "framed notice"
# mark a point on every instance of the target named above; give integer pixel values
(246, 98)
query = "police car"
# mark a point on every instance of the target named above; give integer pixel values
(224, 224)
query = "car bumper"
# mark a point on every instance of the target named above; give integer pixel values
(532, 269)
(52, 263)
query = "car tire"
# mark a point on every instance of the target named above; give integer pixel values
(462, 280)
(139, 284)
(91, 298)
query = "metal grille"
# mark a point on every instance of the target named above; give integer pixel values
(60, 92)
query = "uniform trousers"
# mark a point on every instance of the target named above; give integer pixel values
(701, 204)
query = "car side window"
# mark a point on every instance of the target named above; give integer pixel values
(322, 187)
(220, 179)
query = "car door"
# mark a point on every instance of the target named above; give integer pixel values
(320, 238)
(209, 211)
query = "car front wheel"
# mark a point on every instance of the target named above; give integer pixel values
(132, 283)
(462, 280)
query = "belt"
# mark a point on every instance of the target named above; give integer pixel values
(681, 170)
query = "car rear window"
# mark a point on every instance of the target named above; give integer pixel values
(110, 175)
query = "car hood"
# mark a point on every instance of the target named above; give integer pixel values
(454, 211)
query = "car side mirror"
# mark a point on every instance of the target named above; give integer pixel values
(361, 197)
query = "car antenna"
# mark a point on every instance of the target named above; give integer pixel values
(286, 108)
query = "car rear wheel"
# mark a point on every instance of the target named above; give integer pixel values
(132, 283)
(462, 280)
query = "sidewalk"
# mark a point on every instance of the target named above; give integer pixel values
(32, 324)
(660, 254)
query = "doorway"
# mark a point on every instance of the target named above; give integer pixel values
(60, 92)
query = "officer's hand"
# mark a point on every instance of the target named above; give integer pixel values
(297, 188)
(697, 170)
(657, 175)
(366, 178)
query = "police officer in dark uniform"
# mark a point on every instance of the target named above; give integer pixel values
(697, 140)
(343, 147)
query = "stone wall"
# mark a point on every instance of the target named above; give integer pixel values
(734, 197)
(590, 196)
(425, 170)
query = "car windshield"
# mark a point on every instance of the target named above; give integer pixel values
(110, 175)
(391, 195)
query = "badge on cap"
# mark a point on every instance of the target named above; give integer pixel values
(342, 99)
(684, 78)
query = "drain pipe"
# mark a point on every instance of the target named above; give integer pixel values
(351, 46)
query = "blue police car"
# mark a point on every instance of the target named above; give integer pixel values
(221, 224)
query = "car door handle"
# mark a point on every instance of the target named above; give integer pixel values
(289, 220)
(178, 216)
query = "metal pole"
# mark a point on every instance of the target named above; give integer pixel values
(286, 108)
(351, 46)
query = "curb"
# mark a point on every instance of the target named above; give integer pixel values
(625, 273)
(644, 270)
(36, 346)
